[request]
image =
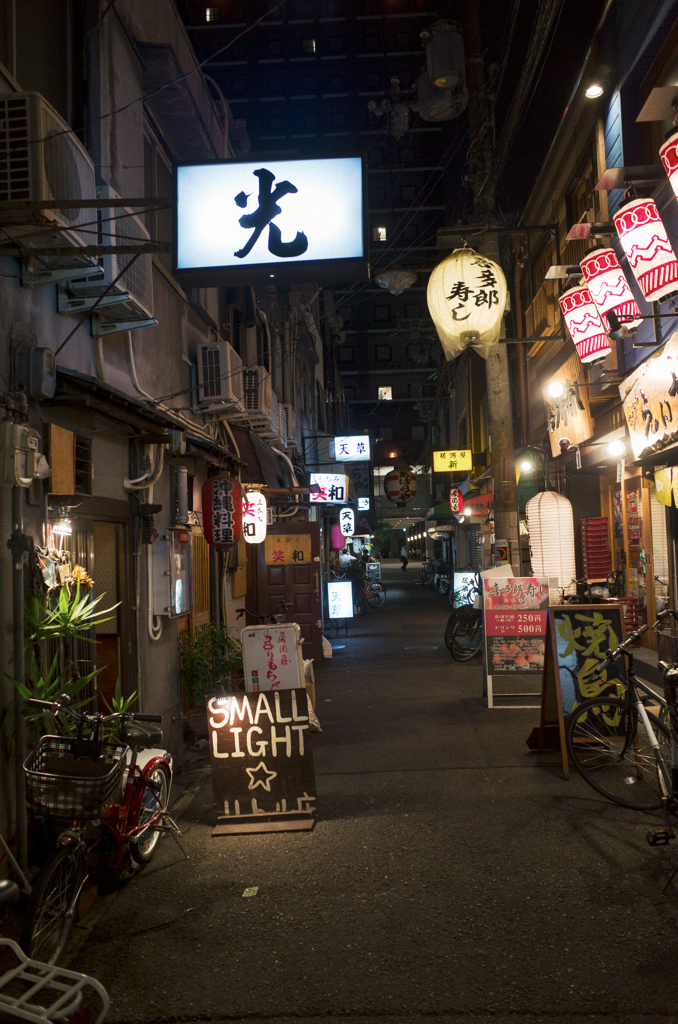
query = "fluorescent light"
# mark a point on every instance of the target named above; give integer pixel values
(594, 90)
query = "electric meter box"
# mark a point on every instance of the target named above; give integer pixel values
(172, 573)
(19, 454)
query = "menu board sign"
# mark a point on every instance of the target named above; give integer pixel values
(516, 614)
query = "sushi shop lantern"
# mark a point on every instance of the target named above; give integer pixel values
(609, 288)
(648, 250)
(400, 486)
(584, 324)
(347, 522)
(254, 517)
(550, 522)
(466, 298)
(222, 511)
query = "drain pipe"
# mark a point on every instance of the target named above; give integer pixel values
(18, 546)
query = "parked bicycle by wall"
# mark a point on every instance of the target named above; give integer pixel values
(464, 630)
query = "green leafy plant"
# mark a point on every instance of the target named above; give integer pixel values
(48, 684)
(71, 616)
(208, 658)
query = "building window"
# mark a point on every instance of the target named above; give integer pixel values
(336, 83)
(418, 432)
(412, 310)
(385, 394)
(347, 354)
(212, 14)
(346, 313)
(275, 84)
(274, 47)
(385, 433)
(382, 353)
(382, 312)
(349, 392)
(377, 194)
(309, 83)
(338, 118)
(372, 43)
(379, 234)
(335, 44)
(410, 232)
(406, 155)
(373, 80)
(237, 87)
(408, 192)
(308, 45)
(83, 465)
(310, 122)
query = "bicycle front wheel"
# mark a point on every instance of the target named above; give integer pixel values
(154, 800)
(611, 750)
(467, 637)
(376, 595)
(449, 629)
(52, 907)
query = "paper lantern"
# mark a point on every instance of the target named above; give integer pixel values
(400, 486)
(648, 250)
(584, 324)
(466, 298)
(222, 511)
(551, 525)
(456, 500)
(347, 522)
(609, 288)
(669, 157)
(254, 517)
(337, 537)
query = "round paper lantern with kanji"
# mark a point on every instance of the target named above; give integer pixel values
(584, 324)
(648, 250)
(609, 288)
(254, 517)
(456, 500)
(466, 298)
(400, 486)
(222, 511)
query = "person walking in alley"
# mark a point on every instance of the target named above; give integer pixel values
(403, 557)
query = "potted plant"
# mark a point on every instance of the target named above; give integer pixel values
(211, 659)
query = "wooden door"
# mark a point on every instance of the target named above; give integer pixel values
(298, 585)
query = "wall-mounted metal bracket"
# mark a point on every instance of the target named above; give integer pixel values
(32, 278)
(102, 328)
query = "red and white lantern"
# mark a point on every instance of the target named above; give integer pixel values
(254, 517)
(222, 511)
(648, 250)
(584, 324)
(400, 486)
(609, 288)
(456, 500)
(669, 157)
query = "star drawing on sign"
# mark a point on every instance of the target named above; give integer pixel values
(263, 780)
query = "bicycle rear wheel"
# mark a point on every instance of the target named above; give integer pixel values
(467, 637)
(624, 772)
(155, 798)
(376, 595)
(52, 907)
(449, 629)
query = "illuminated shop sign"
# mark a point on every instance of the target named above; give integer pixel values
(352, 449)
(333, 489)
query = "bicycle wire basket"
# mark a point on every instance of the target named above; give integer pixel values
(63, 787)
(667, 647)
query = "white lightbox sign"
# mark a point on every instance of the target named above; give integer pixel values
(270, 215)
(254, 517)
(340, 600)
(347, 522)
(333, 488)
(352, 449)
(363, 504)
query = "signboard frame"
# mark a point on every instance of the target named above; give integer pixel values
(462, 459)
(523, 624)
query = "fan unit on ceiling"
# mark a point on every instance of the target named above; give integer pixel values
(288, 425)
(128, 304)
(42, 160)
(220, 379)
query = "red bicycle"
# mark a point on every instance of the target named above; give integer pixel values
(111, 794)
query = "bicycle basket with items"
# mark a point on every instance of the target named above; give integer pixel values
(62, 786)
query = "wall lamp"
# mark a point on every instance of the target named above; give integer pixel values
(618, 331)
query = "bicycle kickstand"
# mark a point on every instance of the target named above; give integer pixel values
(169, 827)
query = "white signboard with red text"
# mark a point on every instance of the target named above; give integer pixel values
(516, 623)
(272, 657)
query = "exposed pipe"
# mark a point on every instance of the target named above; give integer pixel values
(153, 622)
(99, 359)
(140, 483)
(17, 549)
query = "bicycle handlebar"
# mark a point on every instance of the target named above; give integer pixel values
(611, 656)
(62, 705)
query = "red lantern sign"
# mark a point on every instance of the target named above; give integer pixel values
(222, 511)
(456, 500)
(648, 249)
(584, 324)
(400, 486)
(608, 286)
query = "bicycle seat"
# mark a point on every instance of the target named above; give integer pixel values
(141, 735)
(9, 893)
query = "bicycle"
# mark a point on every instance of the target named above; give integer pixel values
(275, 617)
(620, 748)
(31, 990)
(111, 794)
(464, 631)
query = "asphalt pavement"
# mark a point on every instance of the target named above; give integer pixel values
(452, 875)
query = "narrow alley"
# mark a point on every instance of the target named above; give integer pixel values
(452, 874)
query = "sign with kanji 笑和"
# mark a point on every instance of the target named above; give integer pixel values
(453, 461)
(287, 549)
(262, 763)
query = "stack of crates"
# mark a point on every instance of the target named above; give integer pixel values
(631, 619)
(595, 549)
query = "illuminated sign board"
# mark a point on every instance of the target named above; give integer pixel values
(455, 461)
(363, 504)
(352, 449)
(333, 489)
(280, 219)
(254, 517)
(347, 521)
(340, 600)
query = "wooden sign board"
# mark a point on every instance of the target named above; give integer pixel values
(579, 636)
(284, 549)
(262, 763)
(569, 415)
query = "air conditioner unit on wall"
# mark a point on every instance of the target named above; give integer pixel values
(219, 379)
(41, 159)
(288, 425)
(260, 402)
(129, 303)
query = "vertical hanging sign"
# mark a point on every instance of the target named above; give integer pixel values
(254, 517)
(222, 511)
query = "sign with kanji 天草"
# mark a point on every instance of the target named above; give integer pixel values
(284, 549)
(453, 461)
(352, 449)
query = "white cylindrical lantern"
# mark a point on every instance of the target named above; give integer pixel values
(669, 157)
(551, 525)
(609, 288)
(254, 517)
(584, 324)
(400, 486)
(347, 522)
(466, 298)
(648, 250)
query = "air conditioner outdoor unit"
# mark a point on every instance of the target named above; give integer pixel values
(288, 425)
(41, 159)
(220, 379)
(129, 303)
(260, 402)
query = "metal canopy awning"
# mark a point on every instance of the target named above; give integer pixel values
(262, 464)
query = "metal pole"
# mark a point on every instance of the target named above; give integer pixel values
(17, 549)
